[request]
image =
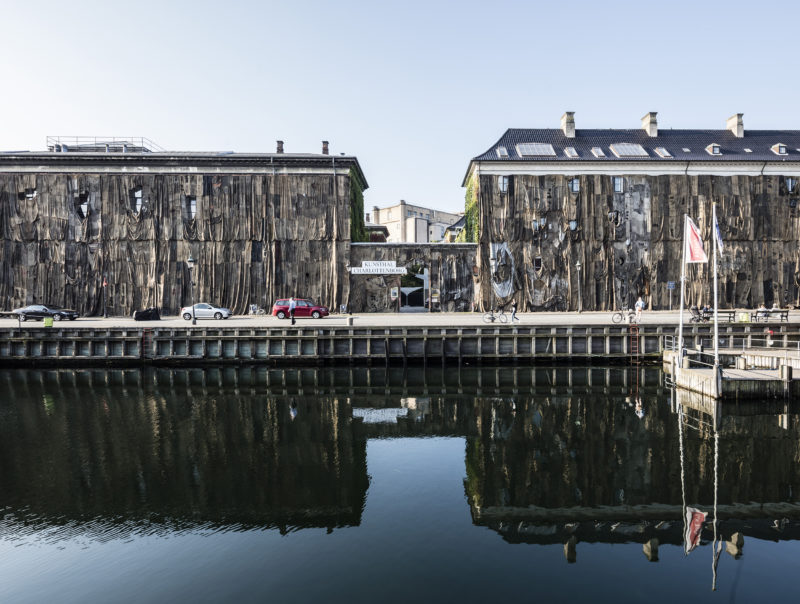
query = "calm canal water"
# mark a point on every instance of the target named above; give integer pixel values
(339, 485)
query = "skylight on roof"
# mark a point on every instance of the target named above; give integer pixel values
(570, 152)
(502, 152)
(746, 150)
(535, 149)
(662, 152)
(598, 152)
(628, 150)
(687, 150)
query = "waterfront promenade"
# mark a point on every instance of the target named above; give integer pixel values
(410, 319)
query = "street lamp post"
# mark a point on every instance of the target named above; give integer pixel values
(190, 262)
(580, 294)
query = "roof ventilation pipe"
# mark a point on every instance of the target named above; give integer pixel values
(649, 123)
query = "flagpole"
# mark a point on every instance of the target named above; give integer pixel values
(683, 286)
(716, 322)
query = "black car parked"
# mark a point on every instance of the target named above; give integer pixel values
(40, 311)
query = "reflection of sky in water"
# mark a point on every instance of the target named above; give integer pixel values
(379, 416)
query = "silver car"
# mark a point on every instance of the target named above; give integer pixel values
(203, 310)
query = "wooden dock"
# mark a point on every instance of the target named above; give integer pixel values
(758, 374)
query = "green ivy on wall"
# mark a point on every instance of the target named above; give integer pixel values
(358, 231)
(470, 232)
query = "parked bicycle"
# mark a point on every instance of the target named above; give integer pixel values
(257, 310)
(492, 316)
(628, 313)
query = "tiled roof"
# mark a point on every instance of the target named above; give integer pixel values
(675, 141)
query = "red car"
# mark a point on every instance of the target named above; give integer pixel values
(303, 308)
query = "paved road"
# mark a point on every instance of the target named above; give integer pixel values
(372, 320)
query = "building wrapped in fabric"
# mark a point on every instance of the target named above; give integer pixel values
(260, 226)
(591, 219)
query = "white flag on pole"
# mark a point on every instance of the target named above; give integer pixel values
(718, 233)
(694, 243)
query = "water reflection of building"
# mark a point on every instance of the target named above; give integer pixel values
(553, 455)
(134, 451)
(574, 469)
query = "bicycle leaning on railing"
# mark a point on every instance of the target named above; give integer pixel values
(492, 316)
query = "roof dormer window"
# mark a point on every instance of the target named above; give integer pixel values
(570, 152)
(598, 152)
(779, 149)
(713, 149)
(502, 153)
(662, 152)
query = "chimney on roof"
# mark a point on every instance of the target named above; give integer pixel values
(649, 123)
(325, 147)
(736, 125)
(568, 124)
(280, 146)
(367, 219)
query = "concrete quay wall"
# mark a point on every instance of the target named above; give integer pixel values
(328, 345)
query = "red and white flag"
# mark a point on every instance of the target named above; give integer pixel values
(694, 244)
(694, 526)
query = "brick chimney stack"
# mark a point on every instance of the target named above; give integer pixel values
(280, 146)
(568, 124)
(325, 147)
(735, 124)
(649, 123)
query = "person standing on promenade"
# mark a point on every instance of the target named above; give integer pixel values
(292, 306)
(514, 316)
(639, 306)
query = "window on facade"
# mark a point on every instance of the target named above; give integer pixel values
(502, 184)
(791, 184)
(619, 185)
(575, 185)
(82, 205)
(191, 206)
(537, 263)
(136, 199)
(27, 194)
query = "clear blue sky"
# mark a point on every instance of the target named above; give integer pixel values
(414, 89)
